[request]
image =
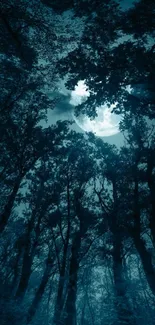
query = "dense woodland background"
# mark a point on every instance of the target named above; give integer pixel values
(77, 215)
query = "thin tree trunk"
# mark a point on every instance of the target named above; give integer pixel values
(25, 273)
(124, 312)
(145, 256)
(60, 293)
(125, 315)
(8, 207)
(30, 248)
(70, 307)
(14, 284)
(146, 260)
(59, 299)
(40, 291)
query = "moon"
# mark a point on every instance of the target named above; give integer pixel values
(105, 124)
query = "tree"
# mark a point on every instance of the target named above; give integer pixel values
(77, 169)
(140, 141)
(112, 207)
(109, 70)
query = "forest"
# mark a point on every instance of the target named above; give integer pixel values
(77, 214)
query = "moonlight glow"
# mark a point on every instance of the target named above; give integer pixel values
(104, 124)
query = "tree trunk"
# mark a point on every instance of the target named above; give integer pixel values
(29, 249)
(70, 307)
(59, 300)
(62, 281)
(123, 309)
(27, 262)
(25, 273)
(145, 256)
(8, 207)
(15, 280)
(146, 260)
(124, 313)
(40, 291)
